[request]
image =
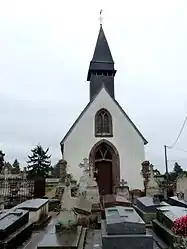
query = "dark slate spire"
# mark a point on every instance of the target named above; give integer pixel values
(101, 70)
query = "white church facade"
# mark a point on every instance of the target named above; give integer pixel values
(103, 132)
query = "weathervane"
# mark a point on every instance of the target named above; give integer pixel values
(101, 18)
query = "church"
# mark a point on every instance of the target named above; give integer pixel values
(103, 132)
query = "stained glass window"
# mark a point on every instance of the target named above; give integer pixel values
(103, 123)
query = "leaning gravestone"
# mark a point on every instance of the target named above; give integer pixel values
(123, 226)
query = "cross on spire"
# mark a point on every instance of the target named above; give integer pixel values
(100, 17)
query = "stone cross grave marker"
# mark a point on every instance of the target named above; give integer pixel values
(123, 183)
(85, 166)
(84, 179)
(6, 173)
(91, 171)
(66, 200)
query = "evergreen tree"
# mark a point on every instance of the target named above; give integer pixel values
(1, 160)
(178, 169)
(39, 163)
(15, 164)
(56, 170)
(8, 166)
(15, 167)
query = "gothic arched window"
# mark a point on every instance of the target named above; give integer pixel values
(103, 123)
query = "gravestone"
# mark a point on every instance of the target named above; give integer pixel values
(122, 220)
(136, 193)
(63, 170)
(1, 202)
(88, 188)
(14, 228)
(66, 233)
(178, 200)
(181, 184)
(152, 187)
(92, 190)
(83, 183)
(87, 204)
(123, 226)
(59, 189)
(165, 217)
(123, 190)
(185, 195)
(24, 173)
(146, 207)
(39, 187)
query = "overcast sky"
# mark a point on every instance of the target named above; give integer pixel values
(45, 50)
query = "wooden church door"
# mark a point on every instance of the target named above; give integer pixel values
(103, 166)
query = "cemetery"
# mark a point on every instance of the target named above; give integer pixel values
(102, 193)
(84, 217)
(76, 215)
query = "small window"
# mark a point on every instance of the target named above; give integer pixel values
(103, 123)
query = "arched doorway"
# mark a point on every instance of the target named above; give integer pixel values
(105, 160)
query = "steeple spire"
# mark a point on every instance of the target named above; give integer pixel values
(101, 70)
(102, 54)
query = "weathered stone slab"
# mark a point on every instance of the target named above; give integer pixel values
(12, 221)
(18, 237)
(120, 220)
(33, 204)
(83, 206)
(175, 201)
(167, 215)
(127, 241)
(66, 239)
(147, 204)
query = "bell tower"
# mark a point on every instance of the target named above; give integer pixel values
(101, 70)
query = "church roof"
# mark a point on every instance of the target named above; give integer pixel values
(88, 105)
(102, 58)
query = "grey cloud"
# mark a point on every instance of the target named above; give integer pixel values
(45, 49)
